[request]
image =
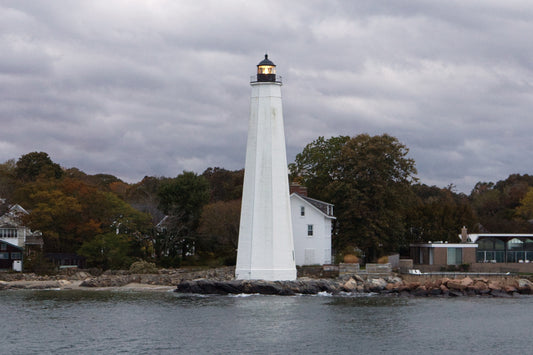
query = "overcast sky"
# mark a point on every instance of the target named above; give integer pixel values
(136, 88)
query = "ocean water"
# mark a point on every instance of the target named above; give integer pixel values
(120, 322)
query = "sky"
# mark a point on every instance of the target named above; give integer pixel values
(153, 88)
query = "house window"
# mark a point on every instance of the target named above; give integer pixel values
(302, 211)
(4, 255)
(3, 246)
(309, 230)
(16, 256)
(455, 256)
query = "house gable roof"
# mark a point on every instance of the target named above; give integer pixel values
(322, 207)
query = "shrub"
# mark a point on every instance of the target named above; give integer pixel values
(351, 259)
(383, 260)
(143, 267)
(38, 264)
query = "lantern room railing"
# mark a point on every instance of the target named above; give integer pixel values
(253, 79)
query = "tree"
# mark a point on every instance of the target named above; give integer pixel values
(7, 179)
(368, 179)
(496, 204)
(525, 210)
(225, 185)
(69, 212)
(108, 251)
(437, 214)
(144, 197)
(182, 199)
(316, 165)
(219, 230)
(32, 165)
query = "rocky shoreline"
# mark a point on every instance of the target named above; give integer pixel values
(392, 286)
(220, 281)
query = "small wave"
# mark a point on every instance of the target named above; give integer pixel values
(324, 294)
(240, 295)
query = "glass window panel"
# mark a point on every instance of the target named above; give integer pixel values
(499, 244)
(455, 256)
(515, 244)
(499, 256)
(485, 244)
(528, 245)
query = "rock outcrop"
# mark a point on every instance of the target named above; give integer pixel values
(391, 286)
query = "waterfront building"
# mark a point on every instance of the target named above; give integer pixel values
(266, 249)
(312, 225)
(13, 231)
(483, 252)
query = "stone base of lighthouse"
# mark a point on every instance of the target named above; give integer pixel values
(266, 248)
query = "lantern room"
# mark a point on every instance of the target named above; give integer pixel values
(266, 70)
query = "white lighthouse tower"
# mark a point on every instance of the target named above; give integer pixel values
(266, 248)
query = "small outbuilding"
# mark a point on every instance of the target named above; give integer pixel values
(10, 256)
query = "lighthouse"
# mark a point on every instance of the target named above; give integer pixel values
(266, 247)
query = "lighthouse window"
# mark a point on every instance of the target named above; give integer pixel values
(309, 230)
(302, 211)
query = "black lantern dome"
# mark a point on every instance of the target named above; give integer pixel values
(266, 70)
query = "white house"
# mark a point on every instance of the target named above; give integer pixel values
(14, 232)
(311, 225)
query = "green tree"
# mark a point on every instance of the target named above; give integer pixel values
(219, 230)
(316, 166)
(7, 179)
(368, 178)
(182, 199)
(225, 185)
(35, 164)
(437, 214)
(108, 251)
(371, 189)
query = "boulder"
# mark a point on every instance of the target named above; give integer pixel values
(376, 285)
(420, 291)
(455, 285)
(358, 278)
(510, 289)
(467, 281)
(494, 286)
(349, 285)
(480, 287)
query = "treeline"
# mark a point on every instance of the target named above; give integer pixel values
(112, 223)
(193, 219)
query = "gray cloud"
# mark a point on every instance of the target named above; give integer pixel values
(153, 88)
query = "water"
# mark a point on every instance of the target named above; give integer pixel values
(88, 322)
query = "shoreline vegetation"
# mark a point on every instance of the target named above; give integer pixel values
(221, 281)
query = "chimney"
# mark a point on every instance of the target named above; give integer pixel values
(297, 188)
(464, 235)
